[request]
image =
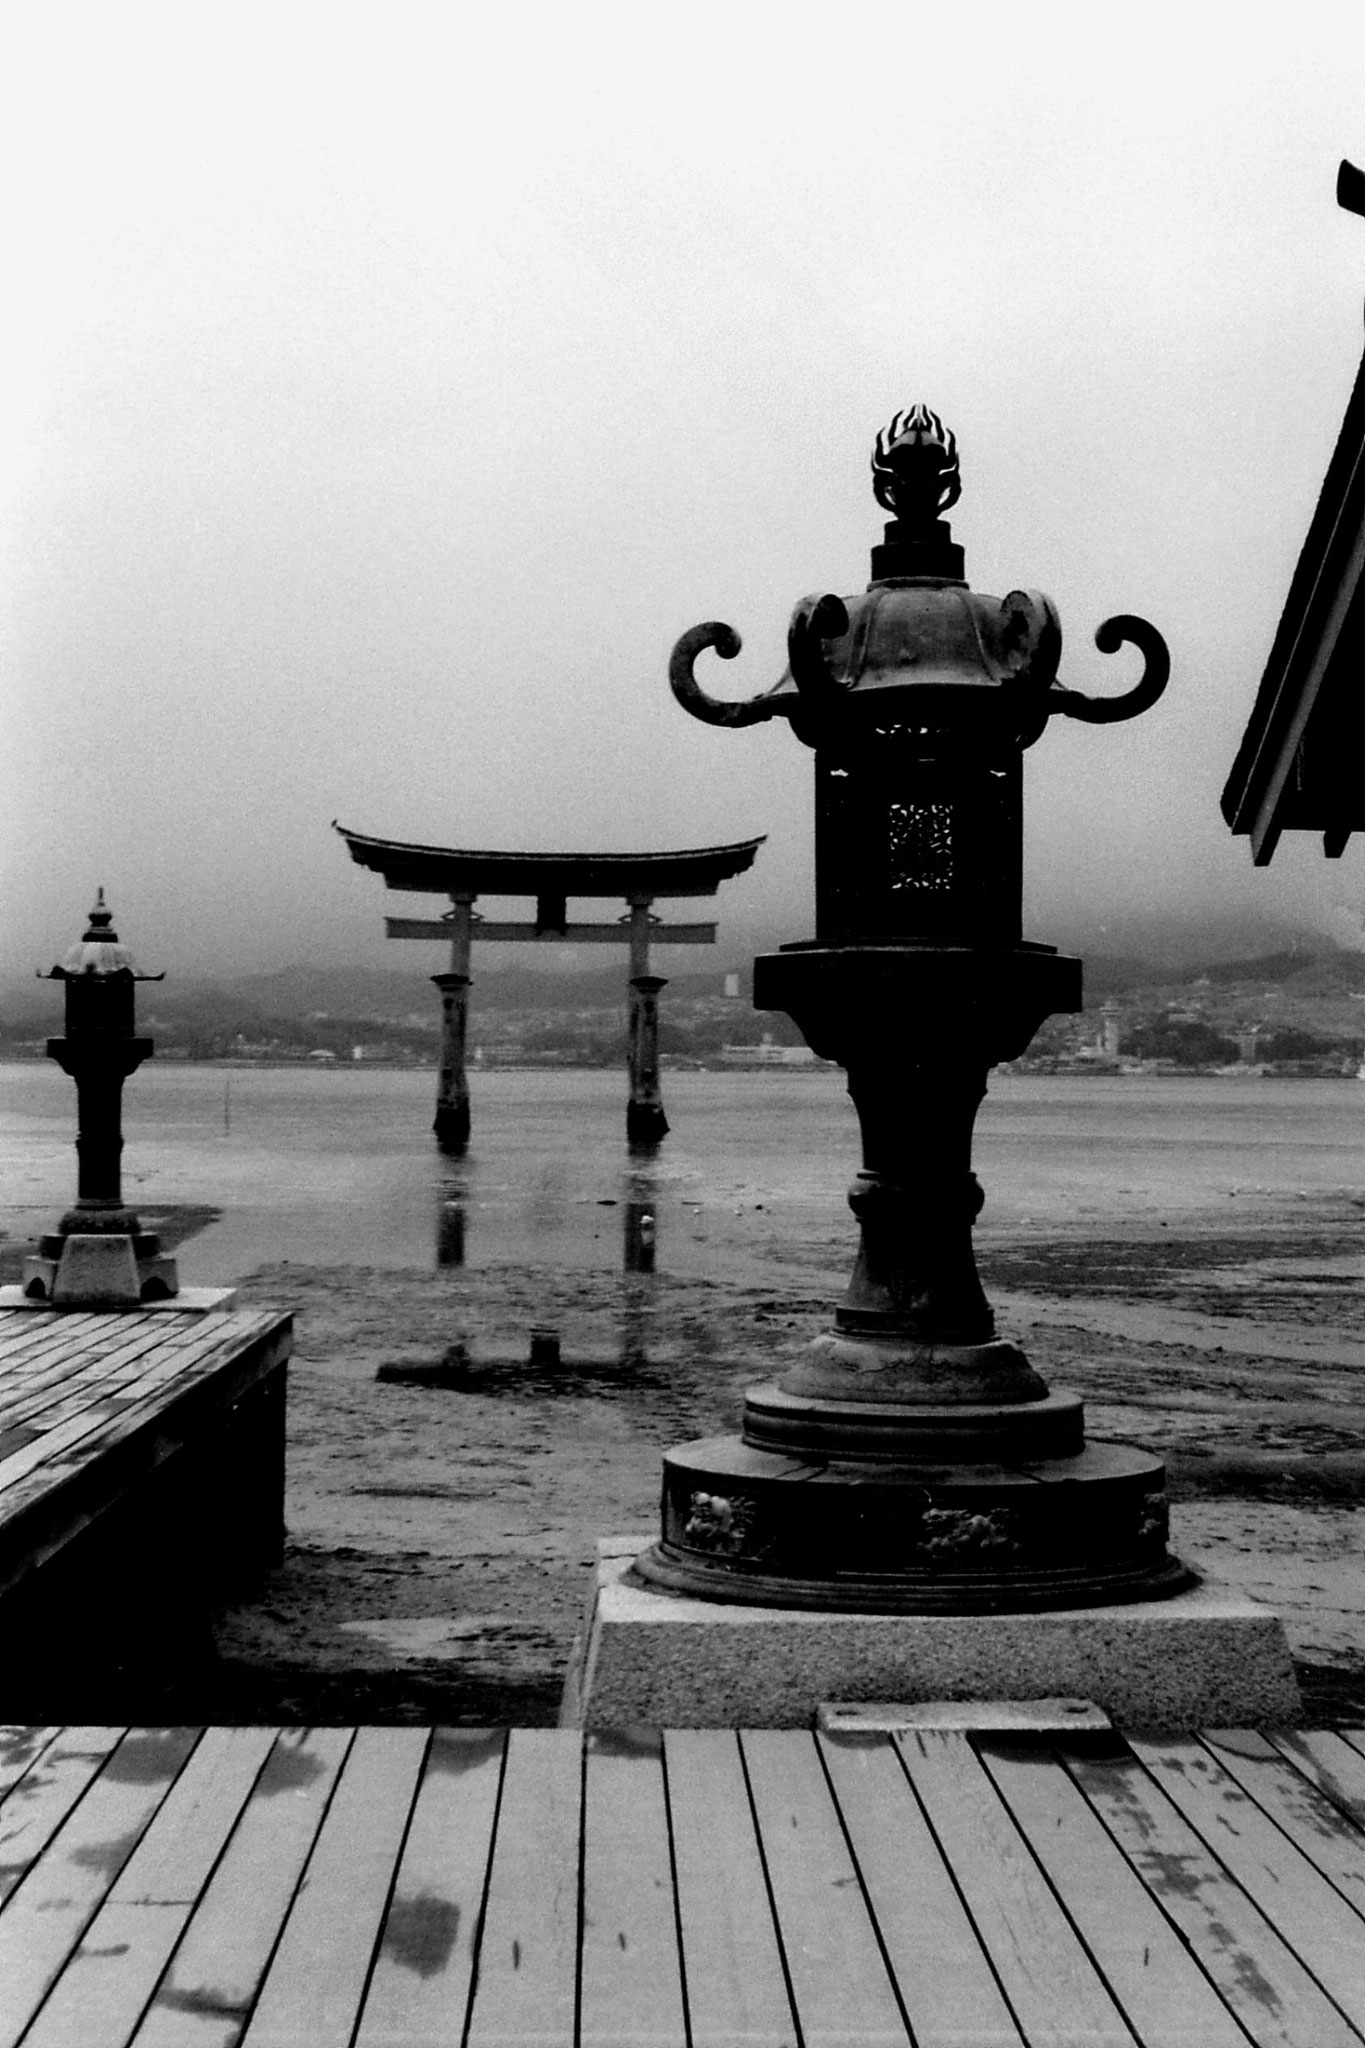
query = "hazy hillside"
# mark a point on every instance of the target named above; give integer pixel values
(1290, 977)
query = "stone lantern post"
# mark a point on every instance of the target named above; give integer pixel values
(99, 1254)
(914, 1461)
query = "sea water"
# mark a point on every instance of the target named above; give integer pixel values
(335, 1164)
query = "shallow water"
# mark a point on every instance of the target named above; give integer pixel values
(329, 1166)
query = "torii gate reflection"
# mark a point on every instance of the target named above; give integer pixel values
(551, 879)
(638, 1203)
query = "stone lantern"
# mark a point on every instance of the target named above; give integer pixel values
(914, 1461)
(99, 1254)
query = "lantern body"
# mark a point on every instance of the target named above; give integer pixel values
(919, 838)
(100, 1006)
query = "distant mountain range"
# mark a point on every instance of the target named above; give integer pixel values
(1135, 954)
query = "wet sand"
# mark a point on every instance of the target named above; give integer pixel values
(441, 1537)
(1187, 1256)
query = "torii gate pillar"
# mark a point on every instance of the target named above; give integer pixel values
(646, 1123)
(451, 1123)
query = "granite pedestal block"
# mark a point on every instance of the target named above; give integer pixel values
(1207, 1657)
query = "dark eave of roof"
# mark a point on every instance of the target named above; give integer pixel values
(454, 870)
(1301, 763)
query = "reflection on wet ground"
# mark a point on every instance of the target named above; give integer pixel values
(458, 1198)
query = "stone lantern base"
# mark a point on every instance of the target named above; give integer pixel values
(1205, 1657)
(76, 1267)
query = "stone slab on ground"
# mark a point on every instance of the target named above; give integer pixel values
(198, 1299)
(1043, 1716)
(1208, 1657)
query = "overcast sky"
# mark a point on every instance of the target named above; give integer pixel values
(387, 389)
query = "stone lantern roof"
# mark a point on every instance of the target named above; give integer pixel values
(99, 950)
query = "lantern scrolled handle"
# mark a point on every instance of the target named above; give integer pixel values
(815, 620)
(689, 692)
(1155, 675)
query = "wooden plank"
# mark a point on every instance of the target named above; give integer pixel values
(1051, 1983)
(84, 1340)
(1165, 1996)
(528, 1957)
(28, 1334)
(424, 1973)
(168, 1376)
(20, 1749)
(211, 1986)
(45, 1795)
(145, 1363)
(48, 1912)
(100, 1995)
(1324, 1931)
(1312, 1821)
(732, 1961)
(317, 1976)
(1275, 1997)
(53, 1488)
(22, 1399)
(942, 1973)
(28, 1386)
(630, 1987)
(82, 1336)
(1328, 1761)
(23, 1328)
(840, 1985)
(69, 1386)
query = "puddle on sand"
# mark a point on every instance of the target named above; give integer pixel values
(422, 1635)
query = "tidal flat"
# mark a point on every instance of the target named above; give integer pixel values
(1187, 1255)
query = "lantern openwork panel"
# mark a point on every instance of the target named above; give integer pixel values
(918, 836)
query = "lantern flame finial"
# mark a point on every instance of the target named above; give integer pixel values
(915, 468)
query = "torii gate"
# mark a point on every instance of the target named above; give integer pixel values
(551, 878)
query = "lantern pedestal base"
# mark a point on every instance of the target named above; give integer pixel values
(1009, 1527)
(1207, 1657)
(100, 1269)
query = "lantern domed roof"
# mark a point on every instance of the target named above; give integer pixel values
(99, 950)
(918, 646)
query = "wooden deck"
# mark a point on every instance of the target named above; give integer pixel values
(135, 1444)
(383, 1886)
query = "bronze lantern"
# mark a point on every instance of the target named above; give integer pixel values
(913, 1460)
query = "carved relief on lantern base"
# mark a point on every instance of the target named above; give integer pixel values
(757, 1527)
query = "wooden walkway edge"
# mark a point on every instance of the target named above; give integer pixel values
(142, 1466)
(380, 1887)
